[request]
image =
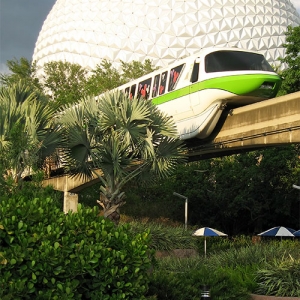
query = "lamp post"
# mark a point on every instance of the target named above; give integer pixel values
(297, 187)
(185, 208)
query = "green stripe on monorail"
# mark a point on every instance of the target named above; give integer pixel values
(236, 84)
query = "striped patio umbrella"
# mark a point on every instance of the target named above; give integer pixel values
(206, 231)
(296, 233)
(278, 231)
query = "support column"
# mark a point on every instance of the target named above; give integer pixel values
(70, 202)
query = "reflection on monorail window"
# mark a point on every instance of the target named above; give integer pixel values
(225, 61)
(144, 89)
(155, 85)
(163, 83)
(174, 75)
(132, 91)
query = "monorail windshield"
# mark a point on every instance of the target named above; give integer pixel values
(226, 61)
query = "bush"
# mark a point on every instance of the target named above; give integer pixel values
(280, 278)
(46, 254)
(176, 285)
(231, 283)
(186, 282)
(166, 237)
(231, 274)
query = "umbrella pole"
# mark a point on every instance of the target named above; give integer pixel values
(205, 246)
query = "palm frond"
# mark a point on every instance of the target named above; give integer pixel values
(122, 137)
(115, 158)
(169, 152)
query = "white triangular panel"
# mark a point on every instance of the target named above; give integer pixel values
(87, 31)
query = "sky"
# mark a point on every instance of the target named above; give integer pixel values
(20, 24)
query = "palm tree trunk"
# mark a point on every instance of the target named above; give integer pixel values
(110, 211)
(113, 213)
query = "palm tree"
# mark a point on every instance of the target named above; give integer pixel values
(123, 138)
(27, 132)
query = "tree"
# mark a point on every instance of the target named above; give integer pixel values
(22, 69)
(105, 77)
(136, 69)
(27, 134)
(123, 138)
(239, 194)
(291, 75)
(64, 82)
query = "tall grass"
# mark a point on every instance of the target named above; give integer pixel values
(281, 277)
(233, 268)
(166, 238)
(181, 265)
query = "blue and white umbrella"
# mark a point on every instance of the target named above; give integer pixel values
(278, 231)
(296, 233)
(206, 231)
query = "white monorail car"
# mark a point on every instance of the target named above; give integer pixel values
(195, 90)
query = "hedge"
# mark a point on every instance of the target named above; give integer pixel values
(46, 254)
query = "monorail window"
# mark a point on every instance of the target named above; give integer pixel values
(195, 72)
(127, 91)
(174, 76)
(225, 61)
(132, 91)
(163, 83)
(144, 89)
(155, 86)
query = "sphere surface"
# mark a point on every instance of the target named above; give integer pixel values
(87, 31)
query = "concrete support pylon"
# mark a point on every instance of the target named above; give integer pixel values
(70, 202)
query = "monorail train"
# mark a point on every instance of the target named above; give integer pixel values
(195, 90)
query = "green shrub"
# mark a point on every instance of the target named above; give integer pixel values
(173, 264)
(31, 189)
(280, 278)
(183, 279)
(235, 257)
(166, 237)
(255, 254)
(231, 283)
(231, 274)
(46, 254)
(177, 285)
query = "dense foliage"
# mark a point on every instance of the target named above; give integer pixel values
(165, 238)
(122, 137)
(65, 83)
(291, 74)
(233, 273)
(240, 194)
(45, 254)
(21, 70)
(280, 278)
(125, 139)
(27, 133)
(48, 255)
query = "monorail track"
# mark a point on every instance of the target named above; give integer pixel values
(272, 122)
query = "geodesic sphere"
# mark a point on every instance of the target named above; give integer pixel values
(87, 31)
